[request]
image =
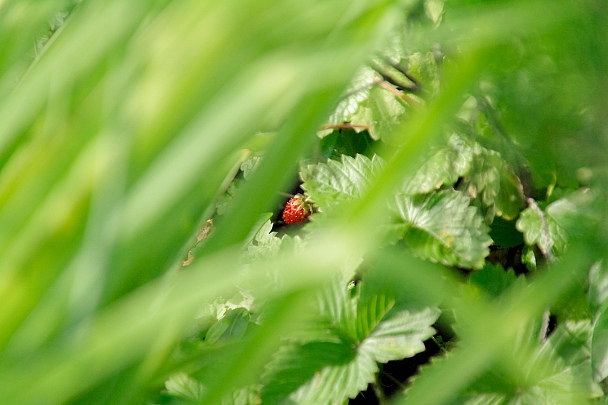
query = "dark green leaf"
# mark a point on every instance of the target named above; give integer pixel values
(346, 142)
(493, 279)
(505, 234)
(232, 325)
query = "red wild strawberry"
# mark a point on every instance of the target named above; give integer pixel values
(297, 210)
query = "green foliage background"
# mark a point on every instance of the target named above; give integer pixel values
(126, 126)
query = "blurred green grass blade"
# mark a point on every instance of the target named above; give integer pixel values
(142, 118)
(65, 63)
(22, 24)
(111, 340)
(146, 323)
(482, 25)
(174, 147)
(325, 73)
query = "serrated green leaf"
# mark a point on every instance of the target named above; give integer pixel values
(558, 373)
(443, 227)
(357, 93)
(493, 279)
(599, 347)
(248, 395)
(371, 308)
(493, 183)
(249, 165)
(296, 365)
(360, 331)
(265, 243)
(444, 167)
(544, 227)
(401, 335)
(339, 309)
(424, 67)
(183, 386)
(333, 183)
(346, 142)
(232, 325)
(485, 175)
(381, 111)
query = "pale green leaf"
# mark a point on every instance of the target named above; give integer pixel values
(382, 111)
(598, 287)
(558, 373)
(443, 167)
(493, 183)
(333, 183)
(443, 227)
(550, 227)
(401, 335)
(360, 331)
(265, 243)
(248, 395)
(183, 386)
(599, 347)
(424, 67)
(356, 94)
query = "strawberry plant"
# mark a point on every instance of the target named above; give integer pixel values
(303, 202)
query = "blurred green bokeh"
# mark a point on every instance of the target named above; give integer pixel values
(123, 122)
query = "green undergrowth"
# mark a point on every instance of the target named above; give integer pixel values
(452, 155)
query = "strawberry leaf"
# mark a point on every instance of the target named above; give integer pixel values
(356, 94)
(181, 385)
(424, 67)
(443, 167)
(381, 111)
(550, 227)
(443, 227)
(346, 142)
(599, 347)
(333, 183)
(484, 174)
(560, 373)
(493, 279)
(493, 184)
(557, 372)
(360, 331)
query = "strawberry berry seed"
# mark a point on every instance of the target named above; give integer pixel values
(296, 211)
